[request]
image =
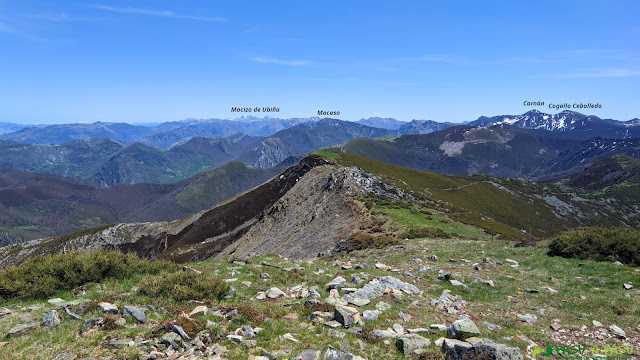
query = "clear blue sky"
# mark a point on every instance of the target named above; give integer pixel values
(155, 60)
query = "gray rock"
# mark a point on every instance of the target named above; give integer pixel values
(172, 339)
(371, 315)
(66, 356)
(438, 327)
(136, 312)
(91, 323)
(458, 350)
(307, 355)
(627, 286)
(248, 331)
(274, 292)
(333, 324)
(50, 318)
(618, 332)
(337, 283)
(487, 349)
(178, 330)
(596, 323)
(490, 326)
(231, 314)
(410, 342)
(488, 282)
(356, 280)
(337, 334)
(346, 315)
(384, 333)
(444, 275)
(404, 316)
(382, 306)
(462, 329)
(21, 329)
(5, 311)
(528, 318)
(108, 307)
(359, 302)
(330, 353)
(399, 329)
(376, 287)
(458, 283)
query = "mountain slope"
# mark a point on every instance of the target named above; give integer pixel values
(69, 159)
(422, 127)
(35, 205)
(307, 137)
(317, 202)
(382, 123)
(499, 151)
(60, 134)
(615, 170)
(577, 158)
(217, 128)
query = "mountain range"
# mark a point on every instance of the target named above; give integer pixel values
(34, 205)
(309, 207)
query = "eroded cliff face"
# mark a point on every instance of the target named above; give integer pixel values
(315, 214)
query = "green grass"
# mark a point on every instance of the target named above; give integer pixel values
(599, 283)
(331, 155)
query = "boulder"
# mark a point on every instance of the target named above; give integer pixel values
(308, 354)
(108, 307)
(462, 329)
(337, 283)
(618, 332)
(346, 315)
(410, 342)
(371, 315)
(135, 312)
(487, 349)
(330, 353)
(274, 292)
(376, 288)
(21, 329)
(200, 310)
(458, 350)
(50, 318)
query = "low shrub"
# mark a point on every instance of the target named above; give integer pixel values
(43, 276)
(425, 232)
(363, 240)
(184, 286)
(600, 244)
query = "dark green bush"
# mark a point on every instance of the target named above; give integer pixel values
(425, 232)
(600, 244)
(43, 276)
(184, 285)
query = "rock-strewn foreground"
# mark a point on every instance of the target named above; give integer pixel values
(426, 299)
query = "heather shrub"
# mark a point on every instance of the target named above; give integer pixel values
(43, 276)
(425, 232)
(184, 286)
(600, 244)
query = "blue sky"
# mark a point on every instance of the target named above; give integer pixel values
(155, 61)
